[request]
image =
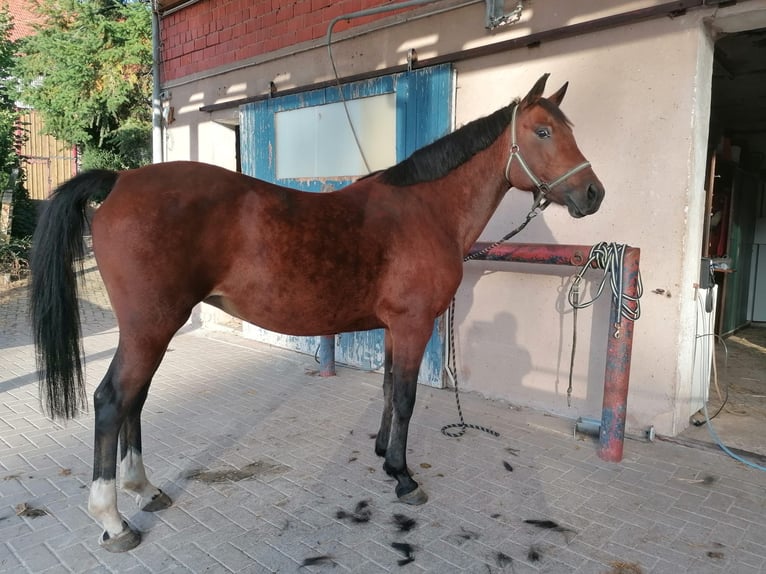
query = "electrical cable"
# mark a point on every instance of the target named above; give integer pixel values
(708, 418)
(706, 353)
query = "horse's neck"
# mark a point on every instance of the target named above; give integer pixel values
(471, 193)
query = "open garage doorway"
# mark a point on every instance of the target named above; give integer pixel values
(734, 242)
(735, 232)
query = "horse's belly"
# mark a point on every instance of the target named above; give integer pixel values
(292, 319)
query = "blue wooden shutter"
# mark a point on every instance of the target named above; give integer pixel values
(423, 114)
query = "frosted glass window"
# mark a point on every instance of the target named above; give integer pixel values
(317, 141)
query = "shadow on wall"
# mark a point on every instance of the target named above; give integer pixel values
(494, 348)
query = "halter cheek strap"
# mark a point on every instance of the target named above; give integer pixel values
(541, 187)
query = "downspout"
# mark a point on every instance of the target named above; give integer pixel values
(157, 146)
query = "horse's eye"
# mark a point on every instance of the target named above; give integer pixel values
(543, 133)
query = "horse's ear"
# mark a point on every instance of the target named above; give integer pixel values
(536, 92)
(558, 96)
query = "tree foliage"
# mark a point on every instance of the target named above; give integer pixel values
(87, 69)
(8, 113)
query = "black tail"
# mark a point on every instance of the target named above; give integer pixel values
(56, 247)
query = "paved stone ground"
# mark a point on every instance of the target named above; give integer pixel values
(259, 455)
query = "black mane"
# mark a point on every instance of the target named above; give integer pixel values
(442, 156)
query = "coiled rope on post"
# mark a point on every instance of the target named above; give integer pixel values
(611, 258)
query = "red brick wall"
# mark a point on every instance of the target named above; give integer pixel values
(212, 33)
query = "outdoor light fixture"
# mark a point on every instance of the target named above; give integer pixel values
(497, 16)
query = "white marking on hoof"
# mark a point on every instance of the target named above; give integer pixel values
(133, 479)
(124, 541)
(102, 505)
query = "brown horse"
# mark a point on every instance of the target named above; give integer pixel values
(385, 252)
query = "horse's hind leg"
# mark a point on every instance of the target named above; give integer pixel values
(118, 536)
(132, 473)
(118, 401)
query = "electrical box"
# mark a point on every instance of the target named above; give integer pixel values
(706, 273)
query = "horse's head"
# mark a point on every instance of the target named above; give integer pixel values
(544, 157)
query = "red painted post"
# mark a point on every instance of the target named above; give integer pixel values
(617, 372)
(574, 255)
(619, 349)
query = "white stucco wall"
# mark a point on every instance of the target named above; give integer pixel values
(635, 104)
(639, 98)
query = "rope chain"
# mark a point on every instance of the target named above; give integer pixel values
(539, 205)
(452, 368)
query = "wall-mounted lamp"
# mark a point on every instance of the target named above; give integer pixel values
(497, 16)
(168, 114)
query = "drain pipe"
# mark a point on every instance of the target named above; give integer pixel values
(156, 99)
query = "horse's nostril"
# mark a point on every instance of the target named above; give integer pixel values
(593, 193)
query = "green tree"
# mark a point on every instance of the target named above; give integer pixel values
(8, 114)
(87, 70)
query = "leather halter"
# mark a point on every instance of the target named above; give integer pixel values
(541, 187)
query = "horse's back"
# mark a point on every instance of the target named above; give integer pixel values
(170, 235)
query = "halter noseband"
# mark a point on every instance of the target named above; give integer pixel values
(541, 187)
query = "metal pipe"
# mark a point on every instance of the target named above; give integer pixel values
(620, 336)
(169, 11)
(373, 12)
(574, 255)
(670, 9)
(327, 356)
(156, 100)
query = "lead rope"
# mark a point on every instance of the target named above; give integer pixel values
(541, 202)
(452, 370)
(610, 257)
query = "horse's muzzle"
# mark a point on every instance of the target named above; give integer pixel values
(582, 204)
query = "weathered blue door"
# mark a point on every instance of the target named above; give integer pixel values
(305, 141)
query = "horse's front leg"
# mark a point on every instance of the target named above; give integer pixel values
(408, 348)
(132, 472)
(381, 440)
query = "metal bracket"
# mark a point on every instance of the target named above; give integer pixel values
(497, 16)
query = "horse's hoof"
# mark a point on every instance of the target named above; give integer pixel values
(415, 497)
(159, 501)
(124, 541)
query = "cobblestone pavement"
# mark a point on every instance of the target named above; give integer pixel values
(259, 454)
